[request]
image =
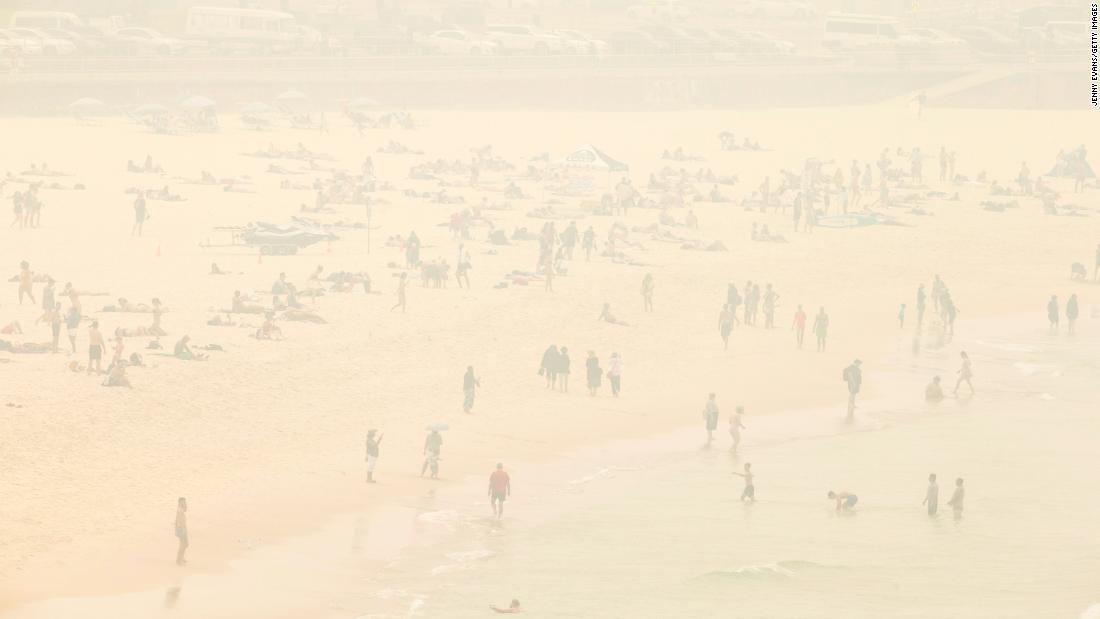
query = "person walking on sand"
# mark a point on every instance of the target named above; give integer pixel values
(770, 300)
(26, 282)
(402, 284)
(500, 488)
(594, 373)
(181, 531)
(920, 305)
(901, 316)
(433, 444)
(957, 496)
(563, 370)
(1071, 314)
(750, 490)
(965, 374)
(72, 324)
(735, 428)
(725, 325)
(549, 367)
(647, 292)
(710, 415)
(798, 325)
(932, 495)
(588, 243)
(373, 445)
(853, 375)
(821, 328)
(141, 213)
(1052, 313)
(96, 348)
(470, 383)
(615, 373)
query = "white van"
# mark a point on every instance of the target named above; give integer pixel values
(856, 31)
(243, 28)
(40, 20)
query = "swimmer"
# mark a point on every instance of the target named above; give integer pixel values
(845, 501)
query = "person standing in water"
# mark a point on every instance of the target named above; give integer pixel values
(181, 531)
(799, 326)
(965, 374)
(373, 446)
(1052, 313)
(500, 488)
(821, 328)
(402, 284)
(725, 325)
(710, 415)
(735, 427)
(853, 375)
(750, 490)
(647, 292)
(470, 383)
(1071, 314)
(956, 501)
(433, 444)
(932, 495)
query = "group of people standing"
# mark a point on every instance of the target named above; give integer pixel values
(556, 368)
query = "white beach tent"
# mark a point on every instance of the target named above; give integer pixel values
(588, 157)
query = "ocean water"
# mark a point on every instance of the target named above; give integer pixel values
(655, 528)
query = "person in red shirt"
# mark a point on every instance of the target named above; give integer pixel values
(500, 488)
(799, 325)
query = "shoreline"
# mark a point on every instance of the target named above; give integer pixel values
(145, 575)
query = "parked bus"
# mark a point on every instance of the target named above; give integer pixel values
(249, 29)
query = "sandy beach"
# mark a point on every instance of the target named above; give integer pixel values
(266, 438)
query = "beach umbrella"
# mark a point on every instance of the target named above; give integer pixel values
(197, 103)
(257, 107)
(291, 96)
(362, 103)
(438, 427)
(85, 103)
(150, 109)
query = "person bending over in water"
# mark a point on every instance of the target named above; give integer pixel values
(512, 609)
(845, 501)
(933, 392)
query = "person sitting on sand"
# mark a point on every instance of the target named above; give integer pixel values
(183, 350)
(12, 328)
(933, 392)
(240, 307)
(268, 330)
(845, 501)
(512, 609)
(215, 270)
(116, 377)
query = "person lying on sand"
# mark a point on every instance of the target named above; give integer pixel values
(512, 609)
(300, 315)
(218, 321)
(606, 316)
(12, 328)
(268, 330)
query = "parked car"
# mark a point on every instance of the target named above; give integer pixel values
(658, 11)
(523, 39)
(457, 42)
(636, 42)
(51, 46)
(85, 43)
(147, 41)
(991, 42)
(578, 42)
(757, 43)
(775, 9)
(677, 40)
(18, 45)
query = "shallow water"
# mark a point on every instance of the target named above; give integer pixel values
(655, 528)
